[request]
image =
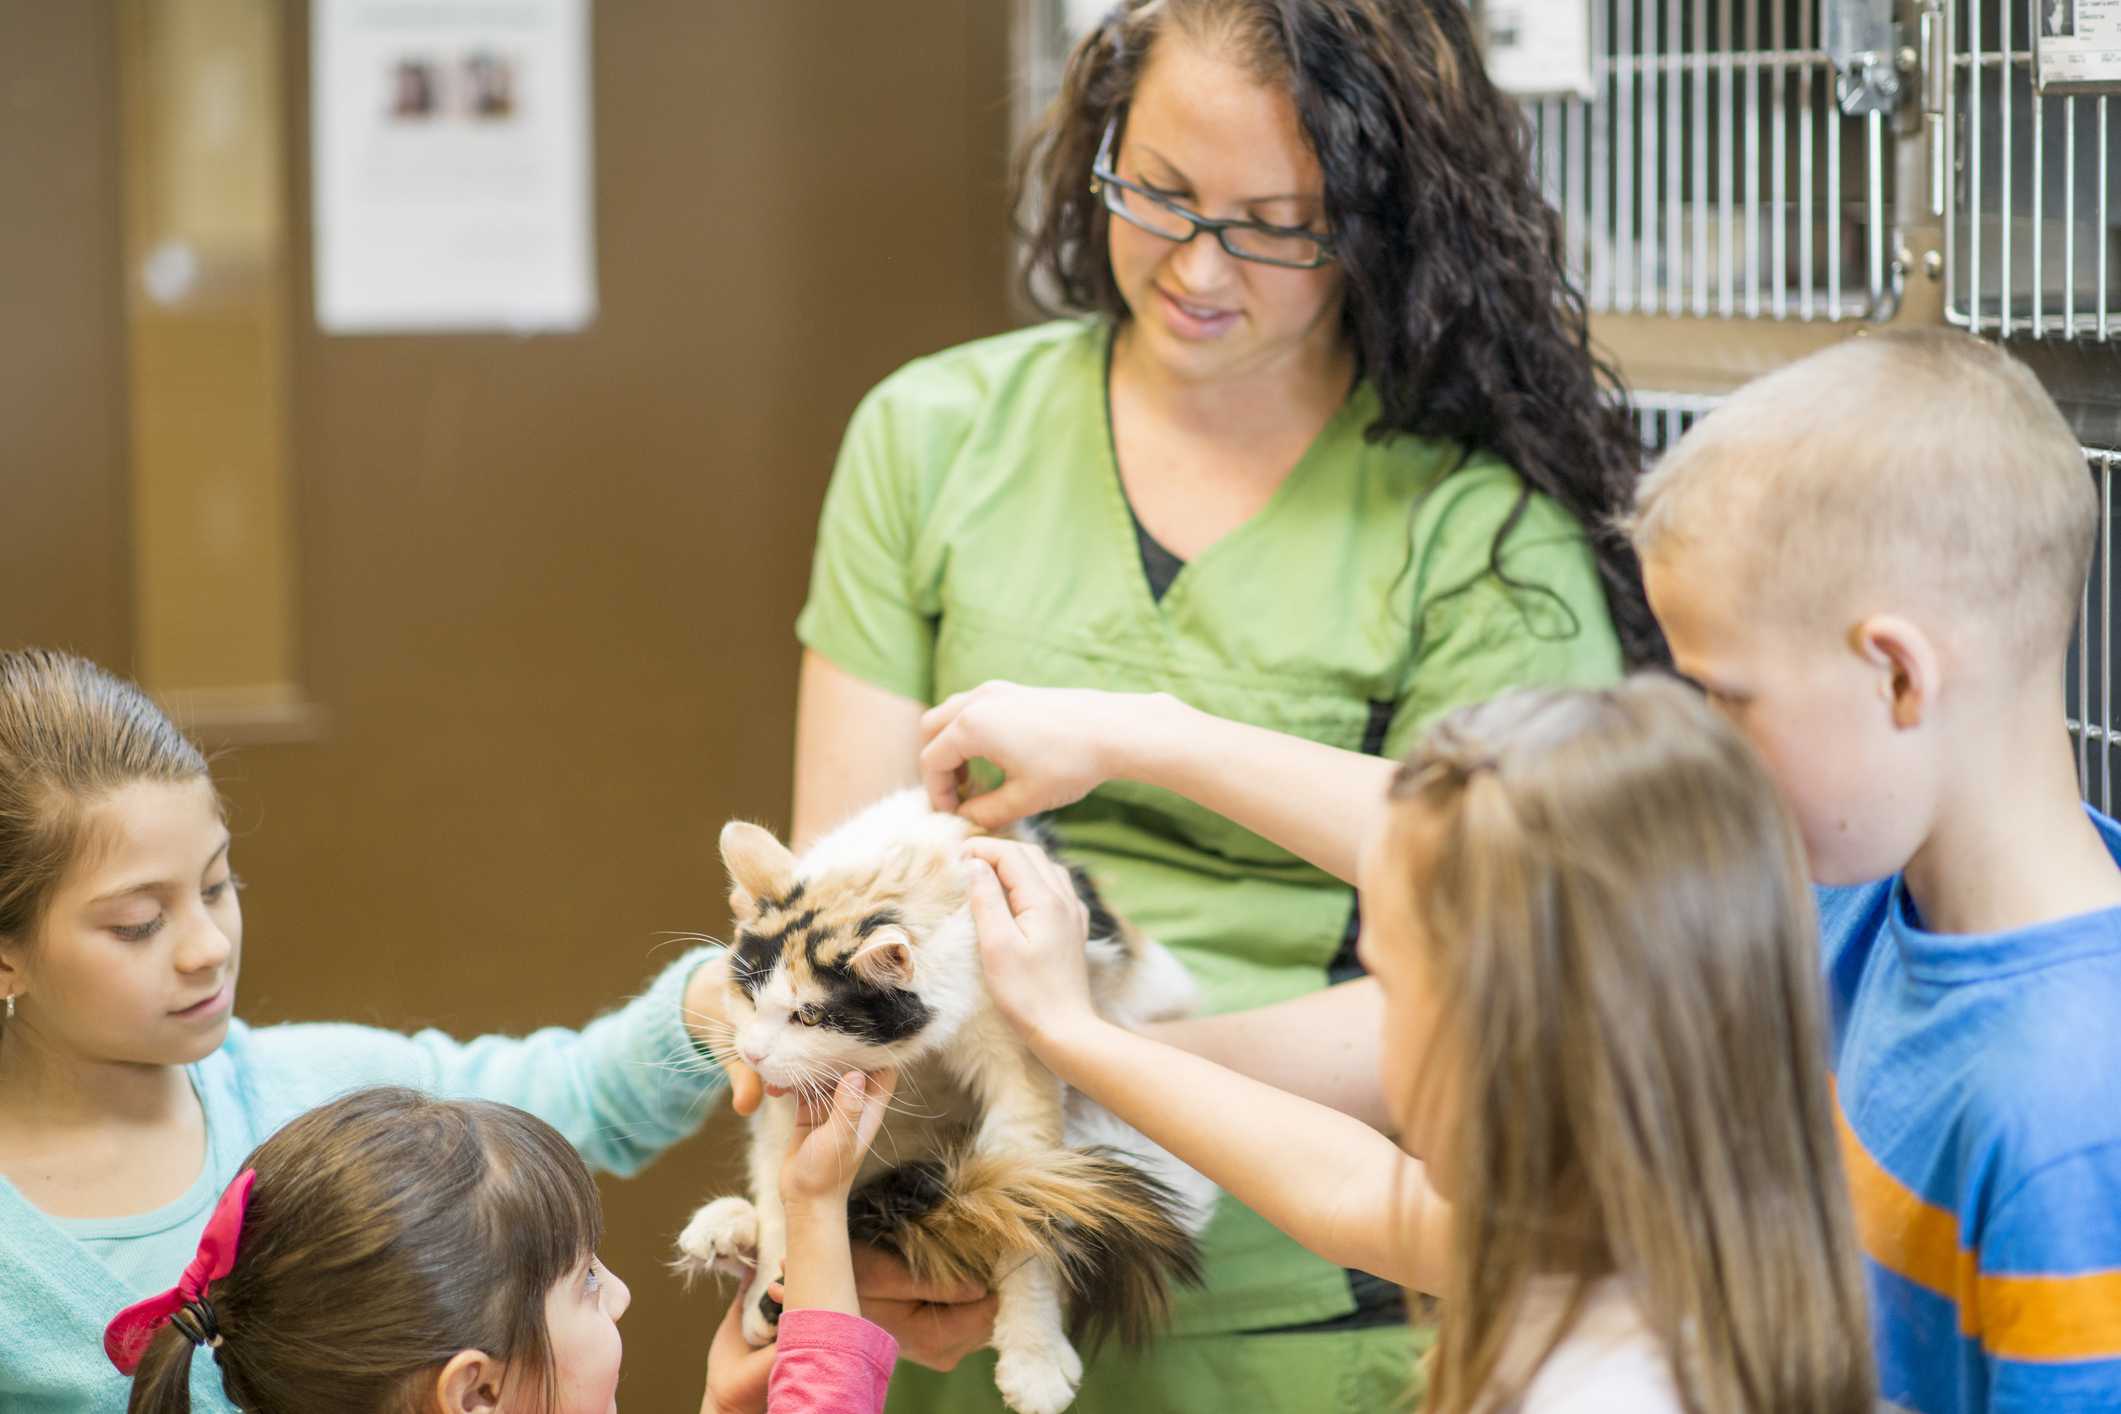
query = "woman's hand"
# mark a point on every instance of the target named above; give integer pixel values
(935, 1326)
(707, 1018)
(830, 1139)
(737, 1374)
(1032, 930)
(1053, 746)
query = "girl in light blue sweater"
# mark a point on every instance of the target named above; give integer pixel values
(129, 1093)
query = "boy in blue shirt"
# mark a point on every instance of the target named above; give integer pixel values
(1872, 561)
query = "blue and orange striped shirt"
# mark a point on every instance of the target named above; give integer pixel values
(1978, 1084)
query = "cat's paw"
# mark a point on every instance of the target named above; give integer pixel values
(1039, 1379)
(762, 1314)
(721, 1240)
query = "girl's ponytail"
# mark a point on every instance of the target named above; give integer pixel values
(162, 1384)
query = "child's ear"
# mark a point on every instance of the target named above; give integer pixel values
(469, 1384)
(760, 866)
(885, 959)
(1907, 664)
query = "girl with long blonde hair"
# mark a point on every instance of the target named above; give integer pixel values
(1603, 1058)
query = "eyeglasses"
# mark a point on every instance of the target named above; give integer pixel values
(1289, 247)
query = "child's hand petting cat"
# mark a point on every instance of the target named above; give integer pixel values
(831, 1137)
(1032, 930)
(1053, 745)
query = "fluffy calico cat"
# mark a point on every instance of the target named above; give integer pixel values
(861, 954)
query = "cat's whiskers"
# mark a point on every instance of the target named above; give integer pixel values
(666, 937)
(717, 1034)
(713, 1035)
(815, 1084)
(680, 935)
(906, 1096)
(713, 1031)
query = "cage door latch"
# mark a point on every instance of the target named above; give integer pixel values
(1863, 44)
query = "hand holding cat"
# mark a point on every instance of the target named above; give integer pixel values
(832, 1137)
(1032, 930)
(935, 1326)
(737, 1375)
(1053, 746)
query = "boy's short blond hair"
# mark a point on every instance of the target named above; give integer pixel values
(1896, 472)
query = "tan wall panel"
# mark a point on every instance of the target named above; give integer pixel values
(202, 89)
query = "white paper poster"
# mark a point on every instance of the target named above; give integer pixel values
(1537, 48)
(2077, 44)
(451, 150)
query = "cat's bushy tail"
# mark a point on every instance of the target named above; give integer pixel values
(1116, 1234)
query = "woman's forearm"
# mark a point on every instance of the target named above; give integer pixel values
(1318, 802)
(1323, 1046)
(855, 743)
(1331, 1182)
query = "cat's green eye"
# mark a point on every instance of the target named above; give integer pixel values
(805, 1016)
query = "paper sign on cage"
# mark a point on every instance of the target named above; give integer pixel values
(1537, 48)
(2077, 45)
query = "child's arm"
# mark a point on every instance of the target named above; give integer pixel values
(1323, 1046)
(621, 1089)
(828, 1360)
(1331, 1182)
(831, 1361)
(815, 1179)
(1055, 745)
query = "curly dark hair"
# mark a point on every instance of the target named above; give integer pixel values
(1458, 307)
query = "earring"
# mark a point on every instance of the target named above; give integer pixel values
(10, 1006)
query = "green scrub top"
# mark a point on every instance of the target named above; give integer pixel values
(976, 528)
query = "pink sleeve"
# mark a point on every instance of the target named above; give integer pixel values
(830, 1363)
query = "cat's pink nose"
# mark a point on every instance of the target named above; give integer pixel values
(754, 1056)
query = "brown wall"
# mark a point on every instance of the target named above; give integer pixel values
(547, 584)
(64, 577)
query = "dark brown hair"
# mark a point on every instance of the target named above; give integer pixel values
(1618, 933)
(70, 733)
(1458, 305)
(387, 1231)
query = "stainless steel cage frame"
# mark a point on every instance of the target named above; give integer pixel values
(2014, 165)
(1706, 174)
(2090, 686)
(1663, 418)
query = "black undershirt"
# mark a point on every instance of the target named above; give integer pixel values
(1158, 563)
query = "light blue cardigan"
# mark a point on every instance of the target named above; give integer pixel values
(622, 1089)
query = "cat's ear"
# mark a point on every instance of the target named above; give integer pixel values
(885, 959)
(760, 866)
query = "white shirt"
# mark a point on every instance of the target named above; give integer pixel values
(1608, 1363)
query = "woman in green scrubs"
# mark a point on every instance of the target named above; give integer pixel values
(1324, 452)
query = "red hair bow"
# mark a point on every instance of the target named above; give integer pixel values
(126, 1338)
